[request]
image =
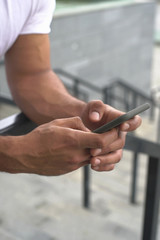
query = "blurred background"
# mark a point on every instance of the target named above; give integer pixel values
(107, 50)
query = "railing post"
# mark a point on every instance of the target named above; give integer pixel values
(86, 190)
(158, 126)
(76, 88)
(126, 102)
(152, 200)
(107, 95)
(134, 178)
(134, 100)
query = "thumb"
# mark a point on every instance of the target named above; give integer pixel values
(94, 116)
(96, 111)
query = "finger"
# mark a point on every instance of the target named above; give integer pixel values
(96, 110)
(131, 124)
(73, 122)
(116, 145)
(107, 168)
(94, 140)
(79, 157)
(113, 113)
(102, 162)
(110, 158)
(108, 139)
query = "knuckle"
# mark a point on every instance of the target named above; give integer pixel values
(109, 149)
(78, 122)
(96, 102)
(71, 138)
(115, 133)
(98, 142)
(78, 119)
(107, 168)
(118, 159)
(119, 156)
(121, 144)
(99, 103)
(111, 167)
(102, 142)
(75, 160)
(74, 168)
(56, 121)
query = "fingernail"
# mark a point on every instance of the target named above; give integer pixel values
(126, 126)
(95, 116)
(97, 162)
(97, 151)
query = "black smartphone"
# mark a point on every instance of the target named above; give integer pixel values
(123, 118)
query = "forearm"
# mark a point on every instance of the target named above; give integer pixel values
(43, 97)
(35, 88)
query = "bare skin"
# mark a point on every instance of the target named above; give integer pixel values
(63, 145)
(55, 148)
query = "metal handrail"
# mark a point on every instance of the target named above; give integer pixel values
(120, 82)
(17, 124)
(6, 100)
(78, 80)
(105, 89)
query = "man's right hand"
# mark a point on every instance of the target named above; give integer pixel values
(61, 146)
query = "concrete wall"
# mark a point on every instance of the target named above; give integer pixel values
(99, 46)
(103, 44)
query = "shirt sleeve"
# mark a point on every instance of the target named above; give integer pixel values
(40, 18)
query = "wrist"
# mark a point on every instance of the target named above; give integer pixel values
(70, 107)
(11, 149)
(76, 107)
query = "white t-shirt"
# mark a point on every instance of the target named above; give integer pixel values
(23, 17)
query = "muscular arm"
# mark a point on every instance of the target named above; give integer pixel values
(59, 146)
(35, 87)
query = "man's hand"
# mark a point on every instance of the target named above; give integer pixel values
(65, 145)
(96, 114)
(60, 147)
